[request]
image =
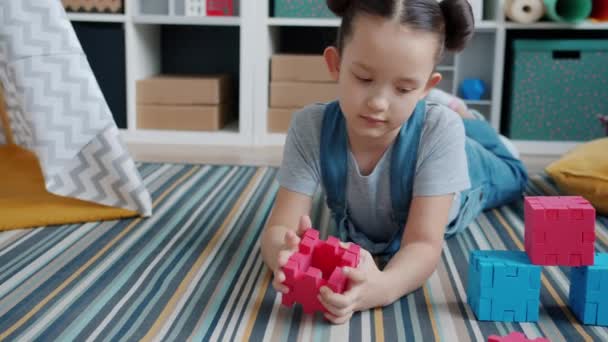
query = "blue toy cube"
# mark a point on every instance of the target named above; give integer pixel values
(503, 286)
(588, 291)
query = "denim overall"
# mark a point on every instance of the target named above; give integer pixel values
(496, 176)
(334, 154)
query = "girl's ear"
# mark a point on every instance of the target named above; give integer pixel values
(332, 59)
(431, 83)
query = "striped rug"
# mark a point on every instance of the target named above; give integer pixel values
(193, 271)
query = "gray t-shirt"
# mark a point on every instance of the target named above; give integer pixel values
(441, 168)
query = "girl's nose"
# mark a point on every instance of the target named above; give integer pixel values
(377, 102)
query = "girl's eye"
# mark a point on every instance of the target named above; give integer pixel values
(363, 79)
(403, 90)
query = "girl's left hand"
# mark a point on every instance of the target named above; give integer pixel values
(365, 291)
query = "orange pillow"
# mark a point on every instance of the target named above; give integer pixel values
(584, 172)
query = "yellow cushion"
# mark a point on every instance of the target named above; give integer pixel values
(24, 201)
(584, 171)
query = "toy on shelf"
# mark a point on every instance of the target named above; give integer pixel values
(220, 8)
(317, 263)
(560, 231)
(472, 89)
(503, 286)
(571, 11)
(600, 10)
(524, 11)
(515, 337)
(588, 288)
(197, 8)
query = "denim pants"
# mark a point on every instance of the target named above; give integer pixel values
(496, 176)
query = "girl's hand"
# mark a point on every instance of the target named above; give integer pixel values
(290, 246)
(365, 291)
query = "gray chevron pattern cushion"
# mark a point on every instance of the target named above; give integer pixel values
(57, 110)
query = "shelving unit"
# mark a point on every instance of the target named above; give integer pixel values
(97, 38)
(152, 29)
(254, 36)
(587, 25)
(320, 22)
(99, 18)
(175, 20)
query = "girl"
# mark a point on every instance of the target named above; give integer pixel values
(399, 172)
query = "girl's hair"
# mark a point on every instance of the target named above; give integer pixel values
(451, 20)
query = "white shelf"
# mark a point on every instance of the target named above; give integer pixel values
(97, 17)
(544, 147)
(445, 68)
(331, 22)
(486, 25)
(184, 20)
(226, 137)
(587, 25)
(274, 139)
(307, 22)
(479, 102)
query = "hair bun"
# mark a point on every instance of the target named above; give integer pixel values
(459, 23)
(339, 7)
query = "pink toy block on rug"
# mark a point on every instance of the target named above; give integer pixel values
(560, 230)
(515, 337)
(317, 263)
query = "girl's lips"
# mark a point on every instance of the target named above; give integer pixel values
(371, 120)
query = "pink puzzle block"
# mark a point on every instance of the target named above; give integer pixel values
(560, 230)
(515, 337)
(317, 263)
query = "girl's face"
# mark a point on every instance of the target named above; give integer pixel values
(384, 70)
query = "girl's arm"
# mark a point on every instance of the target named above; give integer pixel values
(421, 246)
(288, 208)
(407, 270)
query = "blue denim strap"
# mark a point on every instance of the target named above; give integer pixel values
(403, 168)
(492, 165)
(403, 162)
(497, 177)
(334, 161)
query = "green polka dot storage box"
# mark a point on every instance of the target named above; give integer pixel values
(559, 87)
(302, 9)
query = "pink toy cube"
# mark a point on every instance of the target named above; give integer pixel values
(560, 231)
(515, 337)
(317, 263)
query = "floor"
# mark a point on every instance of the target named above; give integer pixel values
(255, 155)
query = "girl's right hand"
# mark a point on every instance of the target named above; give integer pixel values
(290, 246)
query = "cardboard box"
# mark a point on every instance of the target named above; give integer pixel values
(279, 119)
(299, 68)
(183, 90)
(182, 118)
(299, 94)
